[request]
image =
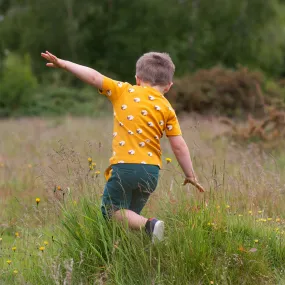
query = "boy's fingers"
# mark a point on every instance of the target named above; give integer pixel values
(194, 183)
(50, 65)
(53, 57)
(200, 187)
(44, 55)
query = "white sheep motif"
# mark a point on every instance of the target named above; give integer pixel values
(157, 108)
(137, 100)
(169, 127)
(144, 112)
(130, 132)
(150, 124)
(109, 92)
(139, 131)
(131, 90)
(131, 152)
(120, 84)
(122, 143)
(124, 107)
(142, 144)
(149, 153)
(130, 117)
(150, 97)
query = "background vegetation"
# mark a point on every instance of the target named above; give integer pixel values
(111, 35)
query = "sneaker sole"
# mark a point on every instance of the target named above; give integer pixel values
(158, 232)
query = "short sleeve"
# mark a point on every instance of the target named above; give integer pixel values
(172, 125)
(112, 88)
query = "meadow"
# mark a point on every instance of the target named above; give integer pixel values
(52, 232)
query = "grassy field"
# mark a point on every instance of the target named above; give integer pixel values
(233, 234)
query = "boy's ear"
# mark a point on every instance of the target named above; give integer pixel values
(138, 81)
(167, 87)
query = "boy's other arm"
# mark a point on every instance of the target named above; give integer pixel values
(86, 74)
(181, 151)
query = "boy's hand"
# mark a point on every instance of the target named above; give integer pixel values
(53, 60)
(194, 182)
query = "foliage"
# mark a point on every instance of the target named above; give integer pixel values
(17, 86)
(58, 101)
(220, 91)
(268, 132)
(111, 35)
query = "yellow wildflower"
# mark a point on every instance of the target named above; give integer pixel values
(45, 242)
(14, 248)
(17, 234)
(97, 172)
(256, 240)
(259, 212)
(9, 261)
(91, 167)
(168, 160)
(250, 212)
(38, 200)
(0, 239)
(30, 166)
(212, 282)
(89, 159)
(58, 188)
(93, 164)
(263, 220)
(15, 271)
(228, 206)
(209, 224)
(278, 220)
(240, 215)
(42, 248)
(218, 207)
(269, 219)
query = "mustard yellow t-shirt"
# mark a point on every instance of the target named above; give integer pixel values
(141, 116)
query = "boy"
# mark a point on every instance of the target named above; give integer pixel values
(141, 115)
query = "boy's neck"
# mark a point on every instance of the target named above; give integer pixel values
(158, 88)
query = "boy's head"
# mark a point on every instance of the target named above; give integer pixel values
(155, 69)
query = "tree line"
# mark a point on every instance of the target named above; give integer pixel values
(110, 35)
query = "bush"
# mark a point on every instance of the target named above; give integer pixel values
(17, 85)
(220, 91)
(57, 101)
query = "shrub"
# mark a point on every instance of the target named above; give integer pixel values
(220, 91)
(57, 101)
(17, 85)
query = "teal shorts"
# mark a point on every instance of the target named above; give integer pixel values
(129, 187)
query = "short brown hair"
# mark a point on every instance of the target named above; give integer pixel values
(155, 68)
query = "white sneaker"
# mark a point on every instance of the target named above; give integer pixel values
(155, 229)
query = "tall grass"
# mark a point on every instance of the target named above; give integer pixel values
(234, 234)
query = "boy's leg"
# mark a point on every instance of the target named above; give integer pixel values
(135, 221)
(154, 228)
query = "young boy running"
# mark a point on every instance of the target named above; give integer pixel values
(141, 115)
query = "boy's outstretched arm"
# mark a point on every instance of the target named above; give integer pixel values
(84, 73)
(181, 151)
